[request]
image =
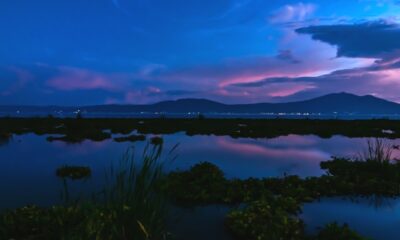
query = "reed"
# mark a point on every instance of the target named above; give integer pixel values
(130, 206)
(131, 195)
(377, 150)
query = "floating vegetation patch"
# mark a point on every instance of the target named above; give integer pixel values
(5, 138)
(203, 183)
(131, 138)
(157, 140)
(334, 231)
(74, 172)
(272, 219)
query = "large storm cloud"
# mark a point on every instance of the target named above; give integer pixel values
(376, 39)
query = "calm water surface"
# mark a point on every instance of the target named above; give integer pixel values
(28, 163)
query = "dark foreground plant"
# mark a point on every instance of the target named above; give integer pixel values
(271, 219)
(157, 140)
(375, 172)
(377, 150)
(135, 208)
(129, 207)
(334, 231)
(202, 183)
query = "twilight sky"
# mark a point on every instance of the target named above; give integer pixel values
(69, 52)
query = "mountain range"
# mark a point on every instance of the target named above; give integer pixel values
(342, 103)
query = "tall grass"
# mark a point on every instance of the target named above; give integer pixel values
(131, 194)
(130, 206)
(377, 150)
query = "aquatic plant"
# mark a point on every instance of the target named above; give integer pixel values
(205, 183)
(5, 138)
(271, 205)
(133, 203)
(334, 231)
(30, 222)
(129, 207)
(267, 219)
(73, 172)
(364, 177)
(131, 195)
(157, 140)
(377, 150)
(130, 138)
(202, 183)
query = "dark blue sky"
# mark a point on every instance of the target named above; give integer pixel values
(134, 51)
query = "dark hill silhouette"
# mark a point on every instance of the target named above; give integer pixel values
(328, 104)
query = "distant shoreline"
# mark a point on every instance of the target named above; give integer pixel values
(99, 129)
(194, 115)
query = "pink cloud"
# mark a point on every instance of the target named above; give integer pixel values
(378, 80)
(142, 96)
(249, 69)
(287, 89)
(70, 78)
(312, 59)
(133, 97)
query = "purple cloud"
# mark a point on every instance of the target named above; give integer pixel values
(379, 79)
(376, 39)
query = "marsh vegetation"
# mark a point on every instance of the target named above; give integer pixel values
(272, 205)
(134, 202)
(76, 130)
(128, 207)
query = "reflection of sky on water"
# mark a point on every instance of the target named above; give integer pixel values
(373, 221)
(244, 158)
(28, 162)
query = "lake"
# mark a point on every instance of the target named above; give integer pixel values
(28, 163)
